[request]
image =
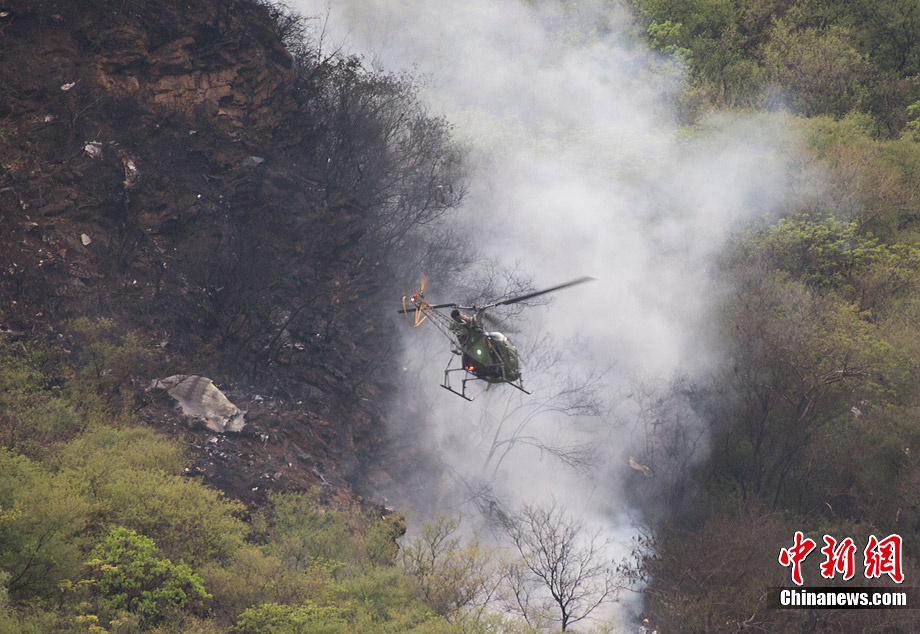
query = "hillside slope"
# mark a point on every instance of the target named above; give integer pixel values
(172, 167)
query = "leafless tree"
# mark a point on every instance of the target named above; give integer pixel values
(562, 557)
(514, 422)
(454, 576)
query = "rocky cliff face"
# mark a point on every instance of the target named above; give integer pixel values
(158, 167)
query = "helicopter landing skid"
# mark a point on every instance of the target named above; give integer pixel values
(446, 383)
(519, 384)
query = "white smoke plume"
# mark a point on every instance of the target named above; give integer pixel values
(580, 167)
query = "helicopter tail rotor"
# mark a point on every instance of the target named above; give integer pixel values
(416, 299)
(413, 312)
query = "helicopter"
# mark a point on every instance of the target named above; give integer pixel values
(484, 355)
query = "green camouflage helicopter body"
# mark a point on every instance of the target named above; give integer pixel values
(489, 356)
(486, 356)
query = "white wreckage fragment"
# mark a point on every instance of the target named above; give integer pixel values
(641, 468)
(199, 398)
(93, 149)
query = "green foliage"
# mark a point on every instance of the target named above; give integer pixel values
(384, 595)
(42, 534)
(34, 621)
(107, 364)
(34, 414)
(913, 119)
(132, 478)
(872, 180)
(307, 618)
(378, 601)
(666, 37)
(300, 533)
(812, 417)
(889, 32)
(820, 70)
(348, 582)
(827, 57)
(252, 577)
(7, 621)
(130, 577)
(109, 449)
(706, 35)
(831, 255)
(114, 473)
(808, 341)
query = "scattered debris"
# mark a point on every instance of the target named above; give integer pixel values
(85, 239)
(199, 398)
(68, 86)
(252, 161)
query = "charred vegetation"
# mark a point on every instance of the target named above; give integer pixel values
(206, 177)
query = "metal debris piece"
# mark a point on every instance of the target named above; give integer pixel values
(85, 239)
(252, 161)
(93, 149)
(68, 86)
(641, 468)
(199, 398)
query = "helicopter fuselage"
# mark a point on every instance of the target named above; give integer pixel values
(489, 356)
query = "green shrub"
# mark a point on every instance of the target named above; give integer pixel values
(129, 576)
(41, 534)
(300, 532)
(307, 618)
(132, 477)
(107, 364)
(34, 415)
(252, 577)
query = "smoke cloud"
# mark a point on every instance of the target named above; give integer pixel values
(580, 167)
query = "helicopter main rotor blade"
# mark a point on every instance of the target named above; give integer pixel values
(495, 322)
(402, 311)
(521, 298)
